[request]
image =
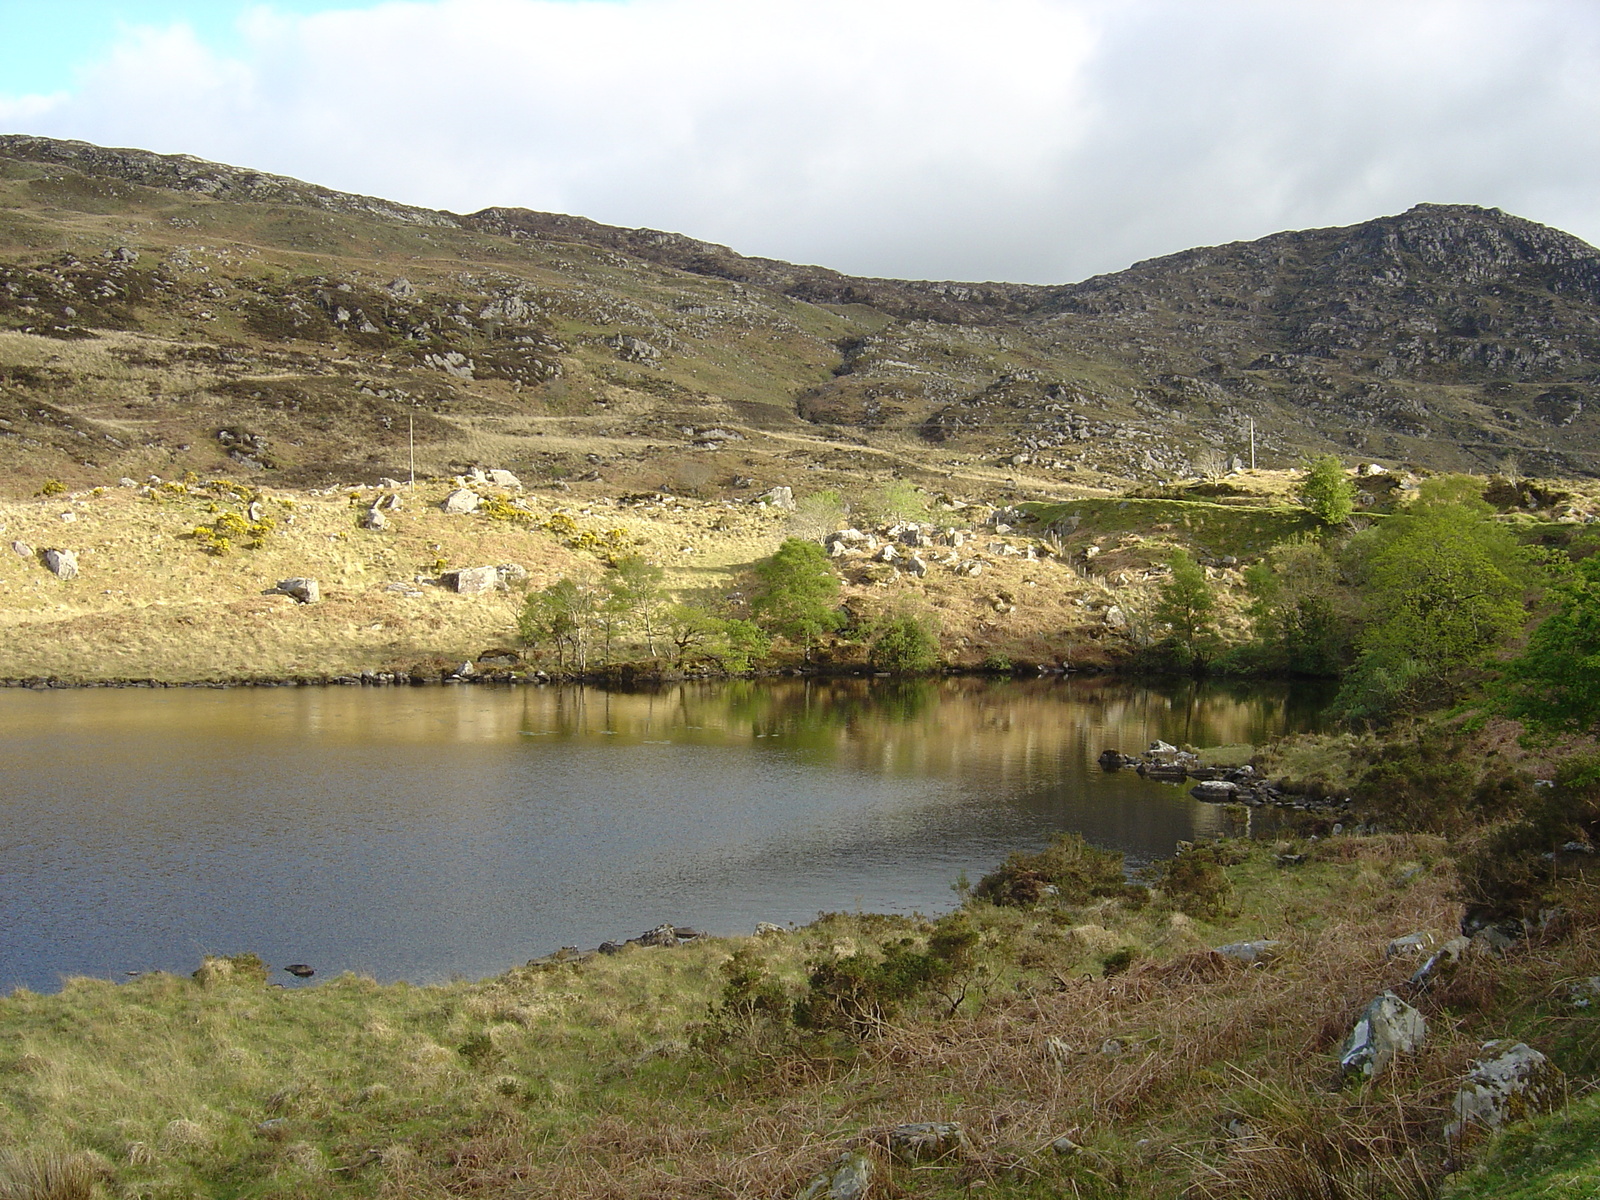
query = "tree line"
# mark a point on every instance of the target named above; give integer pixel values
(588, 619)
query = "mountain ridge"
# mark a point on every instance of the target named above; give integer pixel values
(1447, 336)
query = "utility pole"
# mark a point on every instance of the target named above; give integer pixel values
(1252, 443)
(411, 437)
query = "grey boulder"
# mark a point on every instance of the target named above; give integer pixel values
(848, 1177)
(61, 563)
(1511, 1081)
(300, 588)
(1388, 1027)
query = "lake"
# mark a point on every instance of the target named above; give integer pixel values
(428, 833)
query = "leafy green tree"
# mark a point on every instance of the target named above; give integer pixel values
(797, 593)
(634, 597)
(562, 615)
(905, 643)
(1185, 604)
(817, 515)
(1554, 685)
(1327, 491)
(1443, 588)
(1298, 606)
(733, 643)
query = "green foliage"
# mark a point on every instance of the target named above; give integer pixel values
(818, 514)
(1326, 491)
(797, 593)
(1195, 880)
(1443, 587)
(893, 502)
(1185, 604)
(1298, 607)
(905, 643)
(52, 487)
(1554, 685)
(858, 993)
(1431, 782)
(633, 599)
(1512, 871)
(1068, 868)
(562, 615)
(698, 634)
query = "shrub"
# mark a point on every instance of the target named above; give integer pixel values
(859, 992)
(234, 968)
(1434, 784)
(797, 593)
(1512, 871)
(1068, 868)
(1194, 878)
(1185, 604)
(52, 487)
(905, 644)
(1326, 491)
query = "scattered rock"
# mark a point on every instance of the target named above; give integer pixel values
(1441, 963)
(768, 929)
(1215, 791)
(661, 935)
(504, 479)
(847, 1178)
(63, 564)
(632, 349)
(926, 1141)
(1511, 1081)
(22, 548)
(461, 501)
(390, 503)
(1389, 1026)
(1262, 951)
(512, 574)
(374, 519)
(778, 497)
(300, 588)
(1115, 760)
(1412, 943)
(470, 581)
(1064, 1146)
(300, 970)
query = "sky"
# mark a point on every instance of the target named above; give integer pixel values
(1036, 141)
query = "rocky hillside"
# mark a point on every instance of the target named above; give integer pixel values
(161, 313)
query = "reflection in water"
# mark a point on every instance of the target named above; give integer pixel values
(419, 833)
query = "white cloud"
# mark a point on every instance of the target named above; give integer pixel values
(1021, 139)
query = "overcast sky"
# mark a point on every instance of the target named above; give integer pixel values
(1029, 140)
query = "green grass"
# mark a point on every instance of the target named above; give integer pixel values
(1215, 529)
(1556, 1157)
(1107, 1022)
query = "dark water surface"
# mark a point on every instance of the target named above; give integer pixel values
(417, 834)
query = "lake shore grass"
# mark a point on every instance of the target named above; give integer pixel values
(1169, 1069)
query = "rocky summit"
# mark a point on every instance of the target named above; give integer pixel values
(161, 314)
